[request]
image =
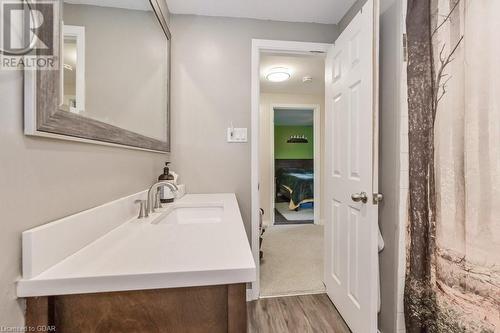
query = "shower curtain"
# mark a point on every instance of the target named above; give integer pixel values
(453, 244)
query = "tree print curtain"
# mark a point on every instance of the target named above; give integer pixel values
(453, 248)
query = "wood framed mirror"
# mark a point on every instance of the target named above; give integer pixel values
(111, 84)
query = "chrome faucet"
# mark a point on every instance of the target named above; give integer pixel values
(153, 194)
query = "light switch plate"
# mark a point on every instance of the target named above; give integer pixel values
(237, 135)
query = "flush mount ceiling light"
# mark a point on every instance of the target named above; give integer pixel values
(278, 74)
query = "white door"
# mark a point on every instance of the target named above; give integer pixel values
(351, 228)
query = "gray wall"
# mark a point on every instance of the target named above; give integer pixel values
(390, 112)
(210, 88)
(351, 13)
(42, 180)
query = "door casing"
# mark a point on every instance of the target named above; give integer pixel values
(259, 46)
(316, 109)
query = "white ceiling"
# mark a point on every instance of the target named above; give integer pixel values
(318, 11)
(300, 66)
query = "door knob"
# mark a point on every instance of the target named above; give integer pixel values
(360, 197)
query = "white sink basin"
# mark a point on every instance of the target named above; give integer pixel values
(194, 215)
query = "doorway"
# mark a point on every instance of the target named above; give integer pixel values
(295, 154)
(351, 168)
(291, 109)
(297, 99)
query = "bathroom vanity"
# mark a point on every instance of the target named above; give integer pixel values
(182, 269)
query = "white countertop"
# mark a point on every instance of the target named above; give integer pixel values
(140, 255)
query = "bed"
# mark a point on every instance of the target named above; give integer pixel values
(295, 182)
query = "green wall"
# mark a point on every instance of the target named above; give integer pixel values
(283, 150)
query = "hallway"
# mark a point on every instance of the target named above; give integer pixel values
(293, 260)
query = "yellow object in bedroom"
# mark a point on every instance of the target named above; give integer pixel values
(294, 206)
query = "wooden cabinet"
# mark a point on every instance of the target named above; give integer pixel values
(207, 309)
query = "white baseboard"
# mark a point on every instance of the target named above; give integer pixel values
(249, 295)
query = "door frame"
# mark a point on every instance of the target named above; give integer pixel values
(316, 109)
(258, 46)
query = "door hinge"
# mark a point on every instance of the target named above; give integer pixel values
(405, 48)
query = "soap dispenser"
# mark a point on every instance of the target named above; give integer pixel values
(166, 196)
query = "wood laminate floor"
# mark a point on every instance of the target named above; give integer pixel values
(295, 314)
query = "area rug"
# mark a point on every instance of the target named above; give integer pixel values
(302, 216)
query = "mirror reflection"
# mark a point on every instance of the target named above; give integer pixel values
(115, 65)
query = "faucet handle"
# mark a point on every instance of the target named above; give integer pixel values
(157, 200)
(143, 212)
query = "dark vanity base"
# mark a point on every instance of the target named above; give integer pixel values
(197, 309)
